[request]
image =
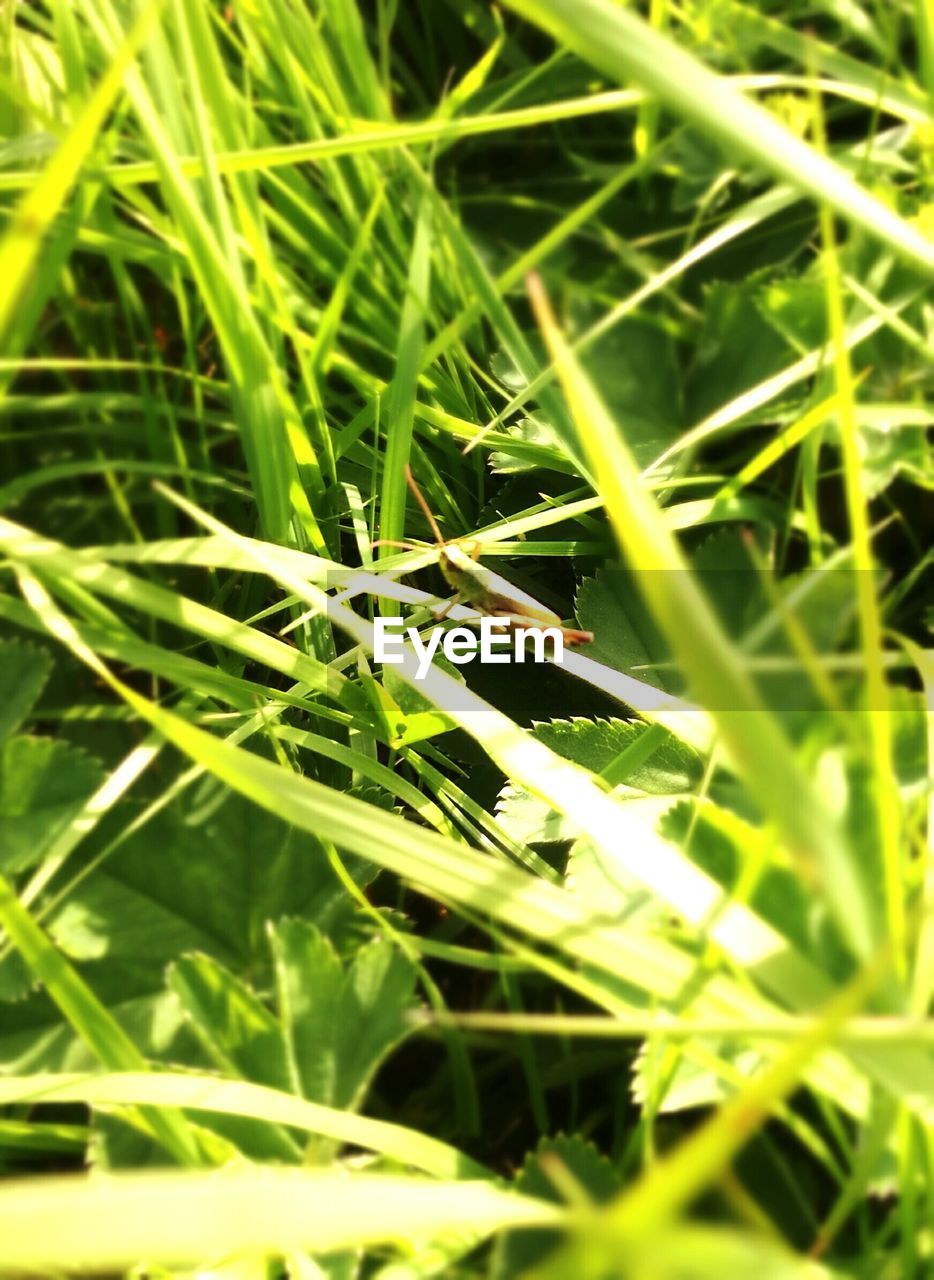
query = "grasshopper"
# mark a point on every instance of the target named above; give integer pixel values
(485, 591)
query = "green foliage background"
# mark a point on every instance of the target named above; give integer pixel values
(310, 968)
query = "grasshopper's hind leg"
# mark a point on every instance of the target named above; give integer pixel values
(443, 612)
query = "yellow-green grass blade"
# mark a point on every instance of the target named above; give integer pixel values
(715, 673)
(400, 402)
(23, 239)
(365, 136)
(572, 924)
(90, 1019)
(876, 713)
(192, 1091)
(115, 1222)
(875, 1030)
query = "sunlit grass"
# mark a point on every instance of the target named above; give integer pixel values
(311, 967)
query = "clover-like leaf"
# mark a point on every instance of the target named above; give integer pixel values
(577, 1160)
(339, 1020)
(617, 749)
(203, 879)
(24, 670)
(43, 785)
(625, 635)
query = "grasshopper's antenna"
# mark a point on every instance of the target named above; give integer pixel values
(426, 510)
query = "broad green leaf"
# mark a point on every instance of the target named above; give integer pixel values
(23, 672)
(796, 308)
(237, 1032)
(531, 820)
(625, 635)
(532, 444)
(43, 786)
(634, 365)
(642, 757)
(621, 752)
(203, 877)
(683, 1083)
(735, 350)
(15, 981)
(339, 1020)
(542, 1175)
(727, 573)
(891, 449)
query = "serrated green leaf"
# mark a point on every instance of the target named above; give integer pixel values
(688, 1083)
(43, 786)
(634, 366)
(603, 746)
(729, 579)
(578, 1160)
(23, 672)
(238, 1033)
(644, 758)
(625, 636)
(205, 880)
(736, 348)
(339, 1021)
(15, 982)
(529, 820)
(895, 450)
(796, 308)
(534, 443)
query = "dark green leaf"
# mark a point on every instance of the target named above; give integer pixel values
(23, 672)
(516, 1252)
(43, 786)
(339, 1021)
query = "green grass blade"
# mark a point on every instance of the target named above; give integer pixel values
(194, 1092)
(716, 676)
(113, 1223)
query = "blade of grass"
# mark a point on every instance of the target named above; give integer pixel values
(366, 136)
(90, 1019)
(22, 242)
(877, 714)
(400, 407)
(195, 1092)
(715, 674)
(117, 1221)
